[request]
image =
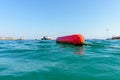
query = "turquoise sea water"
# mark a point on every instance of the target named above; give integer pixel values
(48, 60)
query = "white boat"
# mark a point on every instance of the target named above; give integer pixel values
(46, 38)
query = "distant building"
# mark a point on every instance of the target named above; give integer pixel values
(7, 38)
(11, 38)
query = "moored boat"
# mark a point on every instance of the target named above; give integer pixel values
(46, 38)
(114, 38)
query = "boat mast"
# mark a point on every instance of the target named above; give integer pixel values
(107, 31)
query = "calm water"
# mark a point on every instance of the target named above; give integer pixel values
(48, 60)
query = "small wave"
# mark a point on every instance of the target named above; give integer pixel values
(48, 59)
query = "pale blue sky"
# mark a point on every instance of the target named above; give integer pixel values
(36, 18)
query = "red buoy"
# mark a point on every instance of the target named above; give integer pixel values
(76, 39)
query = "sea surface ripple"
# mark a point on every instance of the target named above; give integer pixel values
(48, 60)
